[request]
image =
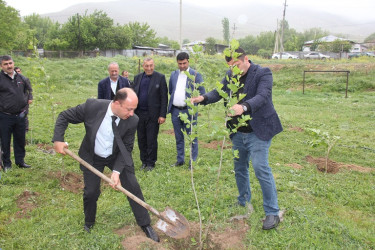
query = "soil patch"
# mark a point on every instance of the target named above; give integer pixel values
(168, 132)
(45, 148)
(294, 165)
(216, 144)
(297, 129)
(70, 181)
(231, 237)
(334, 167)
(26, 202)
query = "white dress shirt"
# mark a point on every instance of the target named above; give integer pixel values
(113, 85)
(180, 92)
(104, 136)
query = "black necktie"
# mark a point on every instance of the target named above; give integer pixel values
(125, 153)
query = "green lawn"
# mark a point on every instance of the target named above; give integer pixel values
(324, 211)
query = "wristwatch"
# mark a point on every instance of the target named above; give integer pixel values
(244, 108)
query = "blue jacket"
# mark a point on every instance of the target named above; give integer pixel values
(189, 84)
(258, 89)
(104, 87)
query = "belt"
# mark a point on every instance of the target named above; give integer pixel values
(180, 108)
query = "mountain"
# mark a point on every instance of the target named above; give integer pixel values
(198, 23)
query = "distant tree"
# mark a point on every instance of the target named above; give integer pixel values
(249, 44)
(335, 46)
(314, 34)
(142, 34)
(225, 23)
(210, 46)
(265, 53)
(172, 44)
(370, 38)
(41, 25)
(185, 41)
(10, 22)
(266, 40)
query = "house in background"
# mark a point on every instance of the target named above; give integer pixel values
(189, 46)
(356, 47)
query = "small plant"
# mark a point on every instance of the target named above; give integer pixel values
(322, 138)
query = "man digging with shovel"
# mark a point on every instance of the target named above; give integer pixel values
(110, 130)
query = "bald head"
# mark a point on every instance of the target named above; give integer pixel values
(124, 103)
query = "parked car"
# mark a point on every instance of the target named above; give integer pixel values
(316, 55)
(284, 55)
(358, 54)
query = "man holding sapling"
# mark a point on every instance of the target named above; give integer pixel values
(251, 141)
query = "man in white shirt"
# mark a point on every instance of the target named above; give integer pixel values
(111, 84)
(99, 148)
(178, 83)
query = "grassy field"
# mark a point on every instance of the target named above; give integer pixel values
(41, 208)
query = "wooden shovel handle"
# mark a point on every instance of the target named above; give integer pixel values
(119, 187)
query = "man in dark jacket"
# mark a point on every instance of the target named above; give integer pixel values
(152, 92)
(253, 140)
(14, 88)
(110, 85)
(99, 148)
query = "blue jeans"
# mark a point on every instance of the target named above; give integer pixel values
(250, 147)
(178, 126)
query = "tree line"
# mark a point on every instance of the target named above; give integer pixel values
(86, 32)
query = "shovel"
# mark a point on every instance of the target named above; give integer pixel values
(170, 221)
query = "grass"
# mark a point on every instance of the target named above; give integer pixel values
(325, 211)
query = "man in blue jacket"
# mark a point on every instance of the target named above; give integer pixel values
(253, 140)
(108, 87)
(178, 83)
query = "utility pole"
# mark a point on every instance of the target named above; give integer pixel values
(277, 39)
(180, 24)
(282, 32)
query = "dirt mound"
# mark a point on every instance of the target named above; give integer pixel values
(45, 148)
(215, 144)
(334, 167)
(26, 202)
(294, 165)
(70, 181)
(229, 238)
(297, 129)
(168, 132)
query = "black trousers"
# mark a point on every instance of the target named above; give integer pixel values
(147, 134)
(12, 124)
(91, 192)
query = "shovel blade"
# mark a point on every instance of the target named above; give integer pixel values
(180, 227)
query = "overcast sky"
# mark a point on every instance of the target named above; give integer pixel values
(358, 10)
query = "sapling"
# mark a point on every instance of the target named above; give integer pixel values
(322, 138)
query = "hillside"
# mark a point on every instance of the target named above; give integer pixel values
(200, 23)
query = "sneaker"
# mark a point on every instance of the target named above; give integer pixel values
(270, 222)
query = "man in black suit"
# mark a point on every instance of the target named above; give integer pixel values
(99, 148)
(110, 85)
(152, 92)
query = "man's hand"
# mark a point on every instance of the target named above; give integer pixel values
(238, 110)
(161, 120)
(197, 99)
(30, 101)
(59, 146)
(115, 177)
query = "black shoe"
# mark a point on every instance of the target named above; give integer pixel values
(270, 222)
(149, 168)
(23, 165)
(176, 164)
(7, 168)
(88, 228)
(143, 166)
(150, 233)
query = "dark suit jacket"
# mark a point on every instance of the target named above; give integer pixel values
(157, 96)
(104, 87)
(91, 113)
(258, 89)
(189, 84)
